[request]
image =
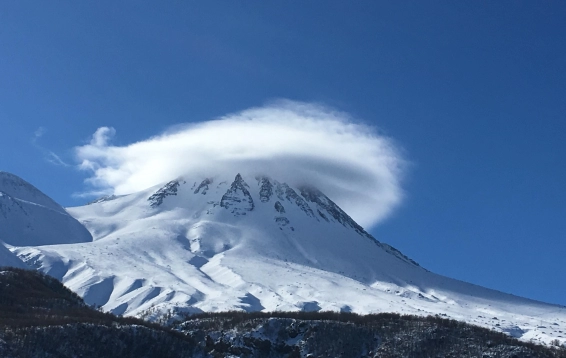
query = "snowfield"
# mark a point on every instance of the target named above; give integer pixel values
(252, 243)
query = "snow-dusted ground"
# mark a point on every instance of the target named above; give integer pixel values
(256, 244)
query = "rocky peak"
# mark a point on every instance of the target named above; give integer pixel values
(167, 190)
(265, 190)
(237, 198)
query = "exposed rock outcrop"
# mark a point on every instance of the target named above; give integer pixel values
(168, 189)
(238, 199)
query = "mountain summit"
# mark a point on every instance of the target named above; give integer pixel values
(253, 243)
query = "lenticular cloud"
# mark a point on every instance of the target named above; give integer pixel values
(293, 142)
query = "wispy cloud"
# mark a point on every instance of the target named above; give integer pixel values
(49, 155)
(39, 132)
(55, 159)
(294, 142)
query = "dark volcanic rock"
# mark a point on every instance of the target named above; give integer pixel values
(203, 186)
(279, 207)
(282, 221)
(167, 190)
(237, 199)
(265, 190)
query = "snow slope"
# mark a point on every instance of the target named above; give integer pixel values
(29, 217)
(252, 243)
(7, 258)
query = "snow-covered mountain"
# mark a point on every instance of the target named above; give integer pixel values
(29, 217)
(253, 243)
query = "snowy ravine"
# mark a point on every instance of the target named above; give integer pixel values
(253, 243)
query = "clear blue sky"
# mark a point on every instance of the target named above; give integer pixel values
(475, 93)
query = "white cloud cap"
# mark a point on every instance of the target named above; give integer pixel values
(293, 142)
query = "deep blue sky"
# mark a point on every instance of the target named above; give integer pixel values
(475, 93)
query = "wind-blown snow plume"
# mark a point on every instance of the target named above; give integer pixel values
(295, 142)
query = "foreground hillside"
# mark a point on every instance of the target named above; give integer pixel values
(39, 317)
